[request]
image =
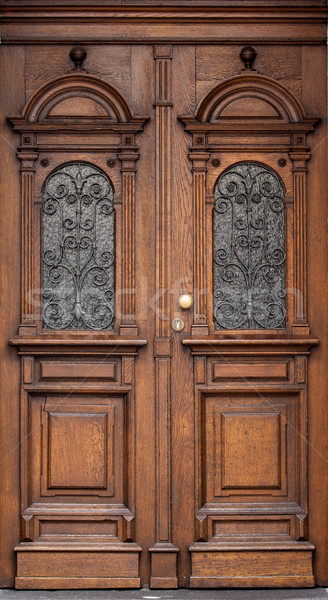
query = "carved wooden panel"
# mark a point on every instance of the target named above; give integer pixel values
(249, 369)
(54, 370)
(237, 527)
(81, 467)
(78, 445)
(246, 439)
(250, 452)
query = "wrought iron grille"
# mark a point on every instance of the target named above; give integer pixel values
(78, 249)
(249, 249)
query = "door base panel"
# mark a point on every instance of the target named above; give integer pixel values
(252, 568)
(75, 583)
(43, 567)
(252, 582)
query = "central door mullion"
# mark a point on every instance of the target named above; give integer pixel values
(163, 552)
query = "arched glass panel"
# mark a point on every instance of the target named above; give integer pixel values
(78, 249)
(249, 249)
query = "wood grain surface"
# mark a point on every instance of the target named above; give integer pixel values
(140, 455)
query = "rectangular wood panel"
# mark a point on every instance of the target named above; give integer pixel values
(243, 568)
(78, 564)
(104, 529)
(72, 370)
(73, 461)
(250, 370)
(246, 441)
(250, 451)
(253, 527)
(78, 443)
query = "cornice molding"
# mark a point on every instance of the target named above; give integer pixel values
(282, 10)
(41, 21)
(250, 345)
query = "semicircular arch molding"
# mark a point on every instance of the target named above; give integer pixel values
(248, 95)
(77, 96)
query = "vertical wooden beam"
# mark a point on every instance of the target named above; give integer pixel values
(199, 167)
(163, 553)
(299, 159)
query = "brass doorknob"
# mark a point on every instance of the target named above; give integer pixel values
(185, 301)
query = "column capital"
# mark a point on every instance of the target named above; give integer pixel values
(27, 158)
(299, 160)
(199, 160)
(128, 159)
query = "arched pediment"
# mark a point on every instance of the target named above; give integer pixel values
(78, 97)
(250, 96)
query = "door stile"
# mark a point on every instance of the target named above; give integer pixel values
(163, 552)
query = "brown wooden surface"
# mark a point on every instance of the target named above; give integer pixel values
(129, 457)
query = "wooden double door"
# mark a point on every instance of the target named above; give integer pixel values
(163, 391)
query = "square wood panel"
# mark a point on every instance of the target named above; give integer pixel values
(77, 447)
(245, 440)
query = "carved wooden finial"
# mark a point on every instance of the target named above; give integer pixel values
(78, 55)
(248, 55)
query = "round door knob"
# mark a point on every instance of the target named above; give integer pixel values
(185, 301)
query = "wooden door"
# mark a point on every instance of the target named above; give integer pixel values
(163, 295)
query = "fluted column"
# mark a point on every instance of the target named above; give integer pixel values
(199, 167)
(27, 156)
(299, 169)
(128, 159)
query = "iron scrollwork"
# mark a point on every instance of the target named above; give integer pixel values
(249, 249)
(78, 249)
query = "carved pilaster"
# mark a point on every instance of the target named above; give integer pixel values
(128, 159)
(199, 166)
(299, 159)
(163, 106)
(27, 156)
(163, 553)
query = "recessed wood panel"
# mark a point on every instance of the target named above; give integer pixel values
(105, 529)
(80, 439)
(245, 440)
(77, 450)
(72, 370)
(250, 370)
(250, 450)
(252, 527)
